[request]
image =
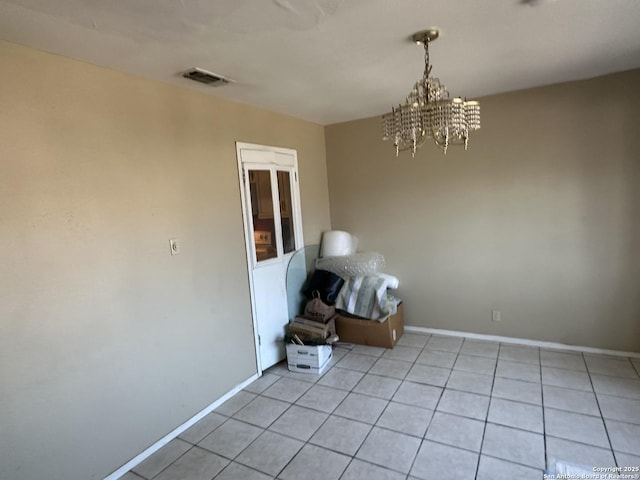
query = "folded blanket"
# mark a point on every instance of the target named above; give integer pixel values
(367, 297)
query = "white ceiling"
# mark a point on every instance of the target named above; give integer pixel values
(329, 61)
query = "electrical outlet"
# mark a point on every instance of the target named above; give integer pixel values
(174, 246)
(495, 315)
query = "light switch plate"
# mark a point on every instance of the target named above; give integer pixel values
(174, 246)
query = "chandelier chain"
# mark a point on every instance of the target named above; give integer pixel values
(427, 66)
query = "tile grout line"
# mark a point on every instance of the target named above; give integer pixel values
(264, 429)
(371, 429)
(435, 408)
(486, 420)
(388, 401)
(544, 417)
(242, 465)
(424, 435)
(329, 414)
(304, 443)
(395, 431)
(604, 424)
(382, 413)
(401, 382)
(415, 362)
(167, 467)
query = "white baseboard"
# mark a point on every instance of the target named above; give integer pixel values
(177, 431)
(520, 341)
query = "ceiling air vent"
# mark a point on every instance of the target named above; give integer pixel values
(208, 78)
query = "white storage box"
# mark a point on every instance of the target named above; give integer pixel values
(312, 355)
(308, 358)
(302, 368)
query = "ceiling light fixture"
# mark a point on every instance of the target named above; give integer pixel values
(429, 112)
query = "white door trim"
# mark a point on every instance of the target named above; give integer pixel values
(292, 167)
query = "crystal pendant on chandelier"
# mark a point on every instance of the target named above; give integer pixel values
(429, 112)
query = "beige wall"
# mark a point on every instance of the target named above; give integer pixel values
(107, 342)
(540, 219)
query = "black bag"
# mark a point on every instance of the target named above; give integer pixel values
(328, 284)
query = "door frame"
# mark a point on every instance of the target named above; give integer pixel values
(245, 198)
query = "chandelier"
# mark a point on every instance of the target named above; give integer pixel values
(429, 112)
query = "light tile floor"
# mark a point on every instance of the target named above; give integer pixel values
(433, 407)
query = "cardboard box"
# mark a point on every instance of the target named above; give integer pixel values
(309, 358)
(371, 332)
(306, 331)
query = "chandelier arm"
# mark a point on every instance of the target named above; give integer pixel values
(408, 145)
